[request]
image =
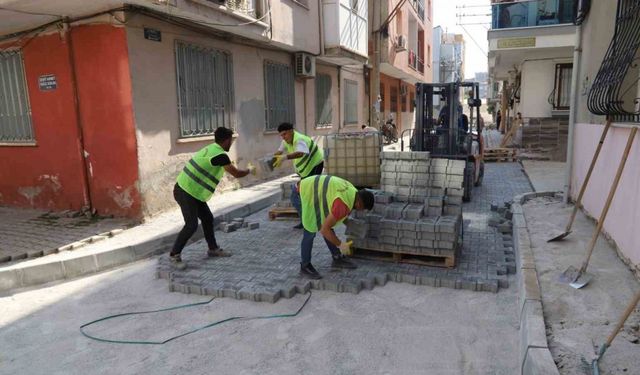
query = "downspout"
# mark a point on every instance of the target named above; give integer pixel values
(321, 27)
(76, 103)
(340, 99)
(577, 55)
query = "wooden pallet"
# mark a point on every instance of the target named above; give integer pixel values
(284, 213)
(448, 261)
(500, 155)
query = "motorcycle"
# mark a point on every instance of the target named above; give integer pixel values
(389, 132)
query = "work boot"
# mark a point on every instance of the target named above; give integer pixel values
(299, 226)
(218, 252)
(309, 272)
(341, 261)
(176, 261)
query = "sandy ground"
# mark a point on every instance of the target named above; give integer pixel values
(545, 175)
(395, 329)
(578, 320)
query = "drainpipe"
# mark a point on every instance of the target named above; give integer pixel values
(76, 103)
(577, 54)
(321, 27)
(340, 99)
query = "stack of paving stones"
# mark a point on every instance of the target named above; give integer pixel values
(285, 195)
(418, 211)
(238, 223)
(265, 267)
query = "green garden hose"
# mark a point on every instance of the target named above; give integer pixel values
(82, 327)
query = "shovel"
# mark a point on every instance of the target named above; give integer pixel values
(614, 333)
(577, 205)
(578, 278)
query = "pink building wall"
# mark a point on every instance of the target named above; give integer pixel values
(623, 220)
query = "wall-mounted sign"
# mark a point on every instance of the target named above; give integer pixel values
(47, 82)
(152, 34)
(517, 42)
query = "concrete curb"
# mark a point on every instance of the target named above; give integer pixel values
(535, 356)
(87, 264)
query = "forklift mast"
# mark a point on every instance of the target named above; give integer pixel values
(442, 134)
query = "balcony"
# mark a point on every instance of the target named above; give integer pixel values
(415, 62)
(345, 31)
(246, 7)
(418, 5)
(507, 15)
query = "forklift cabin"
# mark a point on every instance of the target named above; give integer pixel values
(452, 133)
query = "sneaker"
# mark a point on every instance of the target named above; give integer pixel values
(309, 272)
(218, 252)
(176, 261)
(299, 226)
(342, 262)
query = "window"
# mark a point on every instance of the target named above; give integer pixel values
(205, 89)
(412, 101)
(394, 99)
(561, 94)
(429, 54)
(15, 111)
(324, 112)
(350, 102)
(278, 95)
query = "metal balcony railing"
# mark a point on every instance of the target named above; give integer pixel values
(419, 6)
(248, 7)
(413, 61)
(532, 13)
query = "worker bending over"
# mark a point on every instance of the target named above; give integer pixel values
(326, 202)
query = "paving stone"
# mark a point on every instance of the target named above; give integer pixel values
(270, 262)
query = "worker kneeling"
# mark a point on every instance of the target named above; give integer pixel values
(326, 202)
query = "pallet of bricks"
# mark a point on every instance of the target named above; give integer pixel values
(417, 216)
(500, 155)
(283, 209)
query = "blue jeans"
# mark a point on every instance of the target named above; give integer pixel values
(307, 245)
(295, 200)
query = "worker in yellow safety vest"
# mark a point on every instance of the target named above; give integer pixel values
(195, 186)
(326, 202)
(307, 156)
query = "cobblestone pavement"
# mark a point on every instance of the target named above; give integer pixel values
(27, 233)
(265, 261)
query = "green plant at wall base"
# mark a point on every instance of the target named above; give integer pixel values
(491, 108)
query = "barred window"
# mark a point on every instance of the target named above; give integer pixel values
(323, 100)
(205, 89)
(15, 111)
(350, 102)
(279, 94)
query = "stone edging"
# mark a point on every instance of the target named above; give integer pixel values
(88, 264)
(535, 356)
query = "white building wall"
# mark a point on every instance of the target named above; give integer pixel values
(537, 84)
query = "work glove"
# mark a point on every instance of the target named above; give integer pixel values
(252, 169)
(277, 160)
(345, 247)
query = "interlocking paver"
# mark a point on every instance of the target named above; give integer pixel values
(27, 233)
(265, 262)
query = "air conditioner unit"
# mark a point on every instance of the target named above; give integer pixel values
(305, 65)
(401, 43)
